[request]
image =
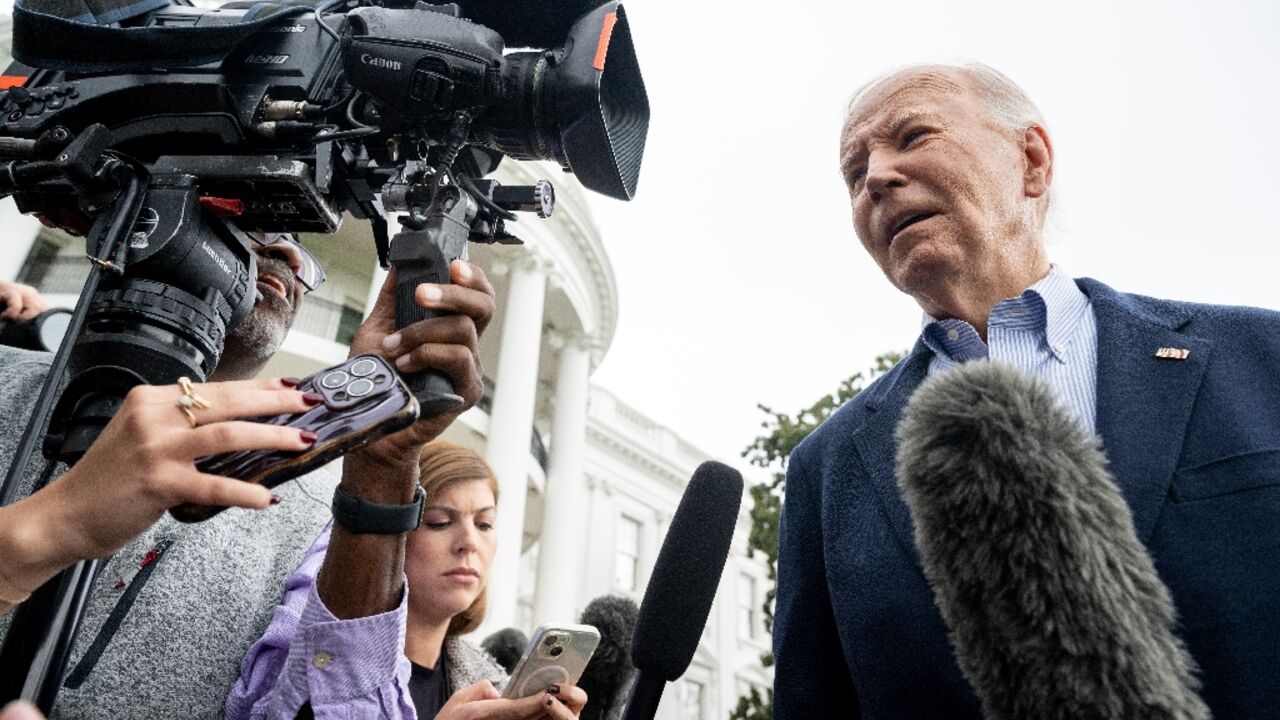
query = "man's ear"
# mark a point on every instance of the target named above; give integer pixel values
(1037, 150)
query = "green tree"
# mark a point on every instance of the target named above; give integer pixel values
(782, 433)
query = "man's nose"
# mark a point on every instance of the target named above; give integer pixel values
(883, 174)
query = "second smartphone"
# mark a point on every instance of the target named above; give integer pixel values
(363, 399)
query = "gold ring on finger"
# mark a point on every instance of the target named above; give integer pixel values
(190, 399)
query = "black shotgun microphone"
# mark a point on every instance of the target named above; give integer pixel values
(528, 23)
(1054, 607)
(683, 585)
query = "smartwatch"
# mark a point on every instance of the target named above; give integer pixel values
(360, 516)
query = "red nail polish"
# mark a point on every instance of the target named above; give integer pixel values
(308, 436)
(312, 398)
(289, 382)
(554, 689)
(550, 700)
(275, 499)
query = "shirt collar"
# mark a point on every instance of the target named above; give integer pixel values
(1053, 306)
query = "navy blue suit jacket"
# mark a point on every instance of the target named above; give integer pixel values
(1194, 446)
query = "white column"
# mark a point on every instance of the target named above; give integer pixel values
(19, 232)
(510, 429)
(564, 521)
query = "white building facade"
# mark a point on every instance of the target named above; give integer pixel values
(588, 484)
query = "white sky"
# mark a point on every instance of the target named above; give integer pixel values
(740, 278)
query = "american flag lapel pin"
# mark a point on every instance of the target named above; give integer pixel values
(1172, 353)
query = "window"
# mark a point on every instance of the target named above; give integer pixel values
(44, 253)
(691, 694)
(746, 606)
(348, 322)
(627, 559)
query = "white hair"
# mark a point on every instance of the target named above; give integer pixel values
(1008, 104)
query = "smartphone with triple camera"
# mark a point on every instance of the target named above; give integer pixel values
(556, 655)
(364, 399)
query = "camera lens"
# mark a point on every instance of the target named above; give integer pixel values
(337, 378)
(361, 368)
(551, 640)
(555, 651)
(572, 107)
(360, 388)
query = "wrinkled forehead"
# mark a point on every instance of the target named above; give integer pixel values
(890, 99)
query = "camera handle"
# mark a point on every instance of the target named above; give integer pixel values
(422, 254)
(34, 656)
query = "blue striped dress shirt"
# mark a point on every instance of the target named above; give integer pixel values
(1049, 332)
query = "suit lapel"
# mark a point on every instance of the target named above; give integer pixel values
(1144, 405)
(1144, 401)
(877, 445)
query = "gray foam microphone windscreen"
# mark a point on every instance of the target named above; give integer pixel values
(1053, 605)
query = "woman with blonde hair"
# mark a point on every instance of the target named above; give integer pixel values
(409, 662)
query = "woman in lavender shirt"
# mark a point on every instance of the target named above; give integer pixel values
(409, 662)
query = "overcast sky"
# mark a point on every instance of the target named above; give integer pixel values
(740, 278)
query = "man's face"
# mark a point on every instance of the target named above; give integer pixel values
(937, 187)
(251, 343)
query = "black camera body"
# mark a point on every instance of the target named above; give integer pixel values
(251, 127)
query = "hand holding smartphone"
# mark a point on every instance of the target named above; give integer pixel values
(556, 655)
(364, 399)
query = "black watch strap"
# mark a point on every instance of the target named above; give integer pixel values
(358, 515)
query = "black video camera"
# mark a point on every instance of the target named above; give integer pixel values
(290, 118)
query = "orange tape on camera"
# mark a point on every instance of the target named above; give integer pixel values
(8, 81)
(602, 48)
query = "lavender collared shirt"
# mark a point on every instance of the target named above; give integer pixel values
(1048, 332)
(344, 668)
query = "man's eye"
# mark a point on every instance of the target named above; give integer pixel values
(911, 136)
(438, 525)
(485, 526)
(856, 177)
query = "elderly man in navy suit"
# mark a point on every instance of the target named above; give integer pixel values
(949, 170)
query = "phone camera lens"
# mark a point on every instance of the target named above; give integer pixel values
(360, 388)
(555, 651)
(337, 378)
(551, 640)
(363, 367)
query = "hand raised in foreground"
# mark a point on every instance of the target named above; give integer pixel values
(449, 343)
(142, 464)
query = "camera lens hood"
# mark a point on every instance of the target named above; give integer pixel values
(601, 104)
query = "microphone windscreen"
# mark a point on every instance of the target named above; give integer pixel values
(506, 646)
(528, 23)
(684, 579)
(1053, 605)
(610, 667)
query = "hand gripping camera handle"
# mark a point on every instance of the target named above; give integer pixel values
(418, 259)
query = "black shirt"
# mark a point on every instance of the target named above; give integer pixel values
(429, 688)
